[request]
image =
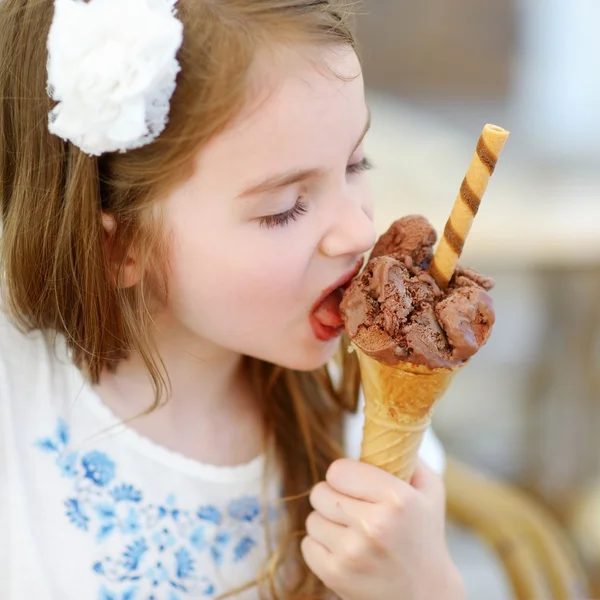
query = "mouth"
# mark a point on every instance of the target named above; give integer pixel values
(325, 317)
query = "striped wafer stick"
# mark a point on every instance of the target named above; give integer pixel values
(467, 203)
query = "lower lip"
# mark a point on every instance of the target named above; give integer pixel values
(324, 333)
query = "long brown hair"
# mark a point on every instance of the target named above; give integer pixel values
(57, 276)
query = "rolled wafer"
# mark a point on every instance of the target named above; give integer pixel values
(398, 403)
(490, 145)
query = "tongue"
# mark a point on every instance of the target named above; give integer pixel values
(328, 312)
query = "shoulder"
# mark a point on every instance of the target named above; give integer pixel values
(22, 355)
(31, 366)
(15, 345)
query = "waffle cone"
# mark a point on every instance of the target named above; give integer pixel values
(398, 404)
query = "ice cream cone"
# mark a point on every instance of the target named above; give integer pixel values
(398, 405)
(414, 304)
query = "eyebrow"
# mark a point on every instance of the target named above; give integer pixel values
(283, 180)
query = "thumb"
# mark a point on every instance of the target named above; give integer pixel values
(429, 483)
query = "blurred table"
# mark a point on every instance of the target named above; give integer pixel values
(548, 227)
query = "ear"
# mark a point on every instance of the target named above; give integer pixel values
(123, 262)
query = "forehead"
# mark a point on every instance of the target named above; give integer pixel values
(305, 106)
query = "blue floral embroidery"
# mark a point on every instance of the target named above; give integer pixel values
(98, 467)
(244, 509)
(124, 493)
(129, 594)
(76, 515)
(162, 547)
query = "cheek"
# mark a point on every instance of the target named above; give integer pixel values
(253, 298)
(258, 283)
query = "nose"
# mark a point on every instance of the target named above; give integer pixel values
(352, 232)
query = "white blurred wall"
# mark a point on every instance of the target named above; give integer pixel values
(556, 100)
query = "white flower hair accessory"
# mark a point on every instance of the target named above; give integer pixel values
(112, 68)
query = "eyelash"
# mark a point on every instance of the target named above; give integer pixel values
(300, 208)
(284, 218)
(364, 165)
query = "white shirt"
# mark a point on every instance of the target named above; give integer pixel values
(92, 510)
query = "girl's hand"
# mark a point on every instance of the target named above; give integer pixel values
(374, 537)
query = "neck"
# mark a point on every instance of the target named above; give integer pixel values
(209, 400)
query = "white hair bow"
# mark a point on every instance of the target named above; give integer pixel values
(112, 68)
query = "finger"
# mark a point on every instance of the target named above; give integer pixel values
(327, 533)
(429, 483)
(363, 481)
(348, 512)
(334, 506)
(316, 556)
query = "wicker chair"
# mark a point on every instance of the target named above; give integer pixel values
(538, 560)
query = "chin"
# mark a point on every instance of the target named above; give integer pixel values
(309, 356)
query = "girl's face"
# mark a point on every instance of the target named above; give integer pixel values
(276, 216)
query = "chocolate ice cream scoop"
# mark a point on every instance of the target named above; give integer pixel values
(412, 236)
(394, 311)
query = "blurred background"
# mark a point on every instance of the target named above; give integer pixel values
(527, 409)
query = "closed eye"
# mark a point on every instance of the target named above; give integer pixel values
(364, 165)
(282, 219)
(300, 208)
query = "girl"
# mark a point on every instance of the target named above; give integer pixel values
(183, 195)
